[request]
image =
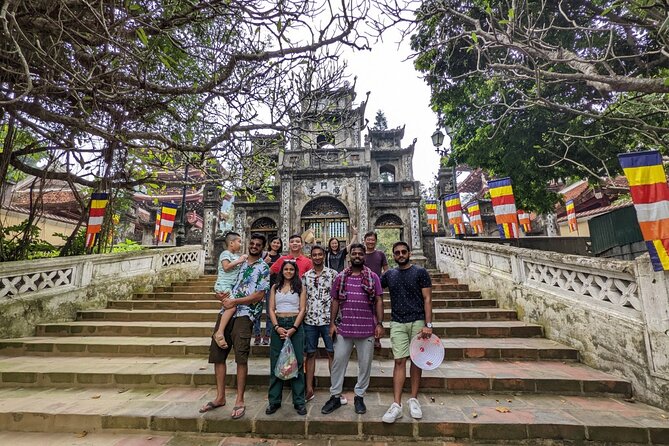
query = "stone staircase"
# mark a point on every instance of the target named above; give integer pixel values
(140, 366)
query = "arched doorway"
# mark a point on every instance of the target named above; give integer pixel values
(389, 229)
(327, 217)
(265, 226)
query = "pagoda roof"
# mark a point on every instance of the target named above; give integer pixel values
(397, 132)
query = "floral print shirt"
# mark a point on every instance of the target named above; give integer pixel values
(251, 278)
(318, 296)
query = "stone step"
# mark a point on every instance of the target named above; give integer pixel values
(460, 376)
(156, 304)
(438, 314)
(436, 277)
(138, 438)
(209, 295)
(191, 288)
(485, 418)
(454, 328)
(113, 345)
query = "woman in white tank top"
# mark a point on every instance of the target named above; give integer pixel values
(287, 307)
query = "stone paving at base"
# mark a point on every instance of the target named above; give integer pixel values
(460, 416)
(463, 375)
(124, 439)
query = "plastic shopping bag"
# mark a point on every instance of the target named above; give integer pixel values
(286, 366)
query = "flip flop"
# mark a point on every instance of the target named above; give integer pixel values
(238, 412)
(210, 406)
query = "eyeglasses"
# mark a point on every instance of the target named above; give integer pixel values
(400, 251)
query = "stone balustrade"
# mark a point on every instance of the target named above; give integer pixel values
(50, 290)
(616, 313)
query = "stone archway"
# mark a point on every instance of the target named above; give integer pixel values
(265, 226)
(389, 229)
(327, 217)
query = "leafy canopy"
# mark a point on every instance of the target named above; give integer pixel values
(540, 90)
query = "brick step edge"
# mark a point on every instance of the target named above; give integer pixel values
(317, 426)
(596, 387)
(191, 332)
(531, 353)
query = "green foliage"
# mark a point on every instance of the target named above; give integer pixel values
(385, 240)
(380, 121)
(20, 242)
(126, 246)
(78, 245)
(520, 110)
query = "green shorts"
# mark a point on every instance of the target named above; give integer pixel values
(401, 335)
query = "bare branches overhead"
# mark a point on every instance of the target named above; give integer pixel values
(134, 80)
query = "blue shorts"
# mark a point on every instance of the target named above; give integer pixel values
(311, 335)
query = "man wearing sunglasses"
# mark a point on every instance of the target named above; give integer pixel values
(410, 290)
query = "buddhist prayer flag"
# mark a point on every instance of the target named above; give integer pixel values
(167, 215)
(156, 232)
(96, 215)
(571, 216)
(431, 211)
(650, 194)
(475, 221)
(504, 206)
(524, 219)
(454, 212)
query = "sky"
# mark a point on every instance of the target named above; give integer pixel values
(397, 89)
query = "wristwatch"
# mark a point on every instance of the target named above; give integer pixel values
(429, 325)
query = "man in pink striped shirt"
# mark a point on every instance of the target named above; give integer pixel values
(357, 295)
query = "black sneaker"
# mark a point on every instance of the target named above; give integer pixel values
(272, 408)
(301, 409)
(332, 404)
(359, 404)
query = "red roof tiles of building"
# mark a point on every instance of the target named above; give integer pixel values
(599, 211)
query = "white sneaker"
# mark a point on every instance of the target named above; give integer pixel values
(393, 413)
(343, 400)
(414, 408)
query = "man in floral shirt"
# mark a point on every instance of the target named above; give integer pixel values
(246, 295)
(318, 282)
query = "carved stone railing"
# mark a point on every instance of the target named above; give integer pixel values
(53, 289)
(615, 312)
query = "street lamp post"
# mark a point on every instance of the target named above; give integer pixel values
(445, 187)
(181, 229)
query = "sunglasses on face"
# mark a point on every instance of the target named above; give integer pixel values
(400, 251)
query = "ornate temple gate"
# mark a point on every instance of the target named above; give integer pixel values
(327, 217)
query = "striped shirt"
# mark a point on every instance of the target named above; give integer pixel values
(357, 313)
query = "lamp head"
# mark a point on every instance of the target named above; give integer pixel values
(437, 138)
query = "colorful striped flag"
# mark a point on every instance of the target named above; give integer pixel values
(524, 219)
(650, 194)
(571, 216)
(474, 211)
(167, 215)
(431, 211)
(454, 213)
(156, 232)
(504, 206)
(96, 215)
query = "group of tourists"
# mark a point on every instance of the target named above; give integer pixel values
(313, 298)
